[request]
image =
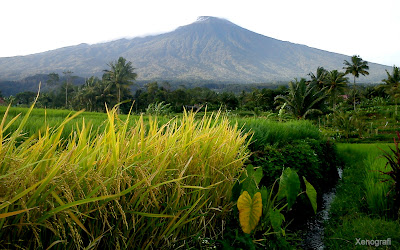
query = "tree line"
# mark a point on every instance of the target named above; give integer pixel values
(115, 87)
(305, 98)
(302, 98)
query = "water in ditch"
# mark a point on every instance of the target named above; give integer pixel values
(314, 236)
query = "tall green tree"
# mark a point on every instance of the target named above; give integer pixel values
(356, 67)
(335, 83)
(87, 95)
(319, 78)
(302, 99)
(68, 84)
(53, 79)
(392, 84)
(25, 98)
(120, 75)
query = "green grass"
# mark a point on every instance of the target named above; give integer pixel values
(40, 119)
(365, 228)
(269, 132)
(353, 213)
(377, 190)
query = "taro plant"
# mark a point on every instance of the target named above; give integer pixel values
(250, 210)
(260, 208)
(393, 161)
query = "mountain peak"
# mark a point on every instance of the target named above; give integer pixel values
(209, 49)
(210, 19)
(203, 18)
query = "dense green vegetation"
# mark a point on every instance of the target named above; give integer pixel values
(274, 146)
(57, 187)
(325, 98)
(240, 172)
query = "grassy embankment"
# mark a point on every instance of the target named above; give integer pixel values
(362, 207)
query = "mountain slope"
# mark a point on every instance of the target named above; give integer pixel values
(211, 49)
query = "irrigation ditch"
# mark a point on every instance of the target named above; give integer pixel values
(313, 236)
(309, 227)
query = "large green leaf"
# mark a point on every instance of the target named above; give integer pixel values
(250, 184)
(265, 195)
(312, 194)
(276, 219)
(250, 210)
(289, 186)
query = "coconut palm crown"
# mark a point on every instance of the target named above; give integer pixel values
(319, 78)
(120, 75)
(302, 98)
(356, 67)
(392, 84)
(336, 83)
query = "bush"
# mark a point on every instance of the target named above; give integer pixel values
(314, 159)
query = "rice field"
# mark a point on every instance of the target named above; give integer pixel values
(129, 183)
(377, 185)
(375, 188)
(102, 180)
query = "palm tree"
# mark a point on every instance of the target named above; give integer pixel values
(392, 84)
(86, 96)
(53, 79)
(335, 82)
(68, 81)
(319, 78)
(302, 99)
(120, 75)
(356, 67)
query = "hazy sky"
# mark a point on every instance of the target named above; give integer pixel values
(369, 28)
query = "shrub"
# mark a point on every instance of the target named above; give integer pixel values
(314, 159)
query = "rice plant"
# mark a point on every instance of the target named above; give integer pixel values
(376, 190)
(271, 132)
(143, 185)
